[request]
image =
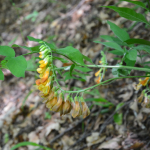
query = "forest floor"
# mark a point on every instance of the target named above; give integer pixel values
(23, 117)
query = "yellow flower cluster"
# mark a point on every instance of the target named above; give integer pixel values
(49, 93)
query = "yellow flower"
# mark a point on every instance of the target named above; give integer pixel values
(41, 56)
(97, 73)
(41, 61)
(44, 62)
(38, 81)
(45, 75)
(51, 103)
(98, 80)
(67, 107)
(85, 110)
(76, 109)
(41, 70)
(58, 104)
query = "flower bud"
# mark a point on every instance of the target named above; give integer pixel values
(38, 81)
(67, 106)
(85, 110)
(76, 108)
(45, 75)
(44, 63)
(58, 104)
(52, 103)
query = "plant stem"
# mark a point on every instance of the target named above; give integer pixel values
(119, 67)
(103, 83)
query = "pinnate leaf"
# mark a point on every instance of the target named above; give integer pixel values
(71, 69)
(120, 33)
(71, 53)
(111, 45)
(137, 3)
(128, 13)
(138, 41)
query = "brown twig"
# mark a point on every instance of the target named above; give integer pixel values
(69, 129)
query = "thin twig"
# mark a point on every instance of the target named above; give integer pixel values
(68, 130)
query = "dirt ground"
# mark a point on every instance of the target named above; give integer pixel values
(23, 117)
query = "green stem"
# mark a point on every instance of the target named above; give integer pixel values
(119, 67)
(103, 83)
(54, 73)
(28, 53)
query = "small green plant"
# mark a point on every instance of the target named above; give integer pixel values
(6, 138)
(32, 16)
(47, 115)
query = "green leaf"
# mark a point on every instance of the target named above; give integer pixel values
(120, 33)
(96, 100)
(115, 72)
(83, 69)
(116, 52)
(1, 75)
(30, 66)
(119, 72)
(94, 92)
(67, 77)
(144, 48)
(107, 37)
(32, 49)
(3, 62)
(17, 66)
(29, 143)
(111, 45)
(30, 38)
(118, 118)
(61, 59)
(132, 55)
(51, 45)
(117, 58)
(137, 3)
(104, 105)
(72, 53)
(83, 76)
(7, 51)
(138, 41)
(87, 58)
(114, 39)
(35, 49)
(123, 72)
(119, 105)
(71, 69)
(128, 13)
